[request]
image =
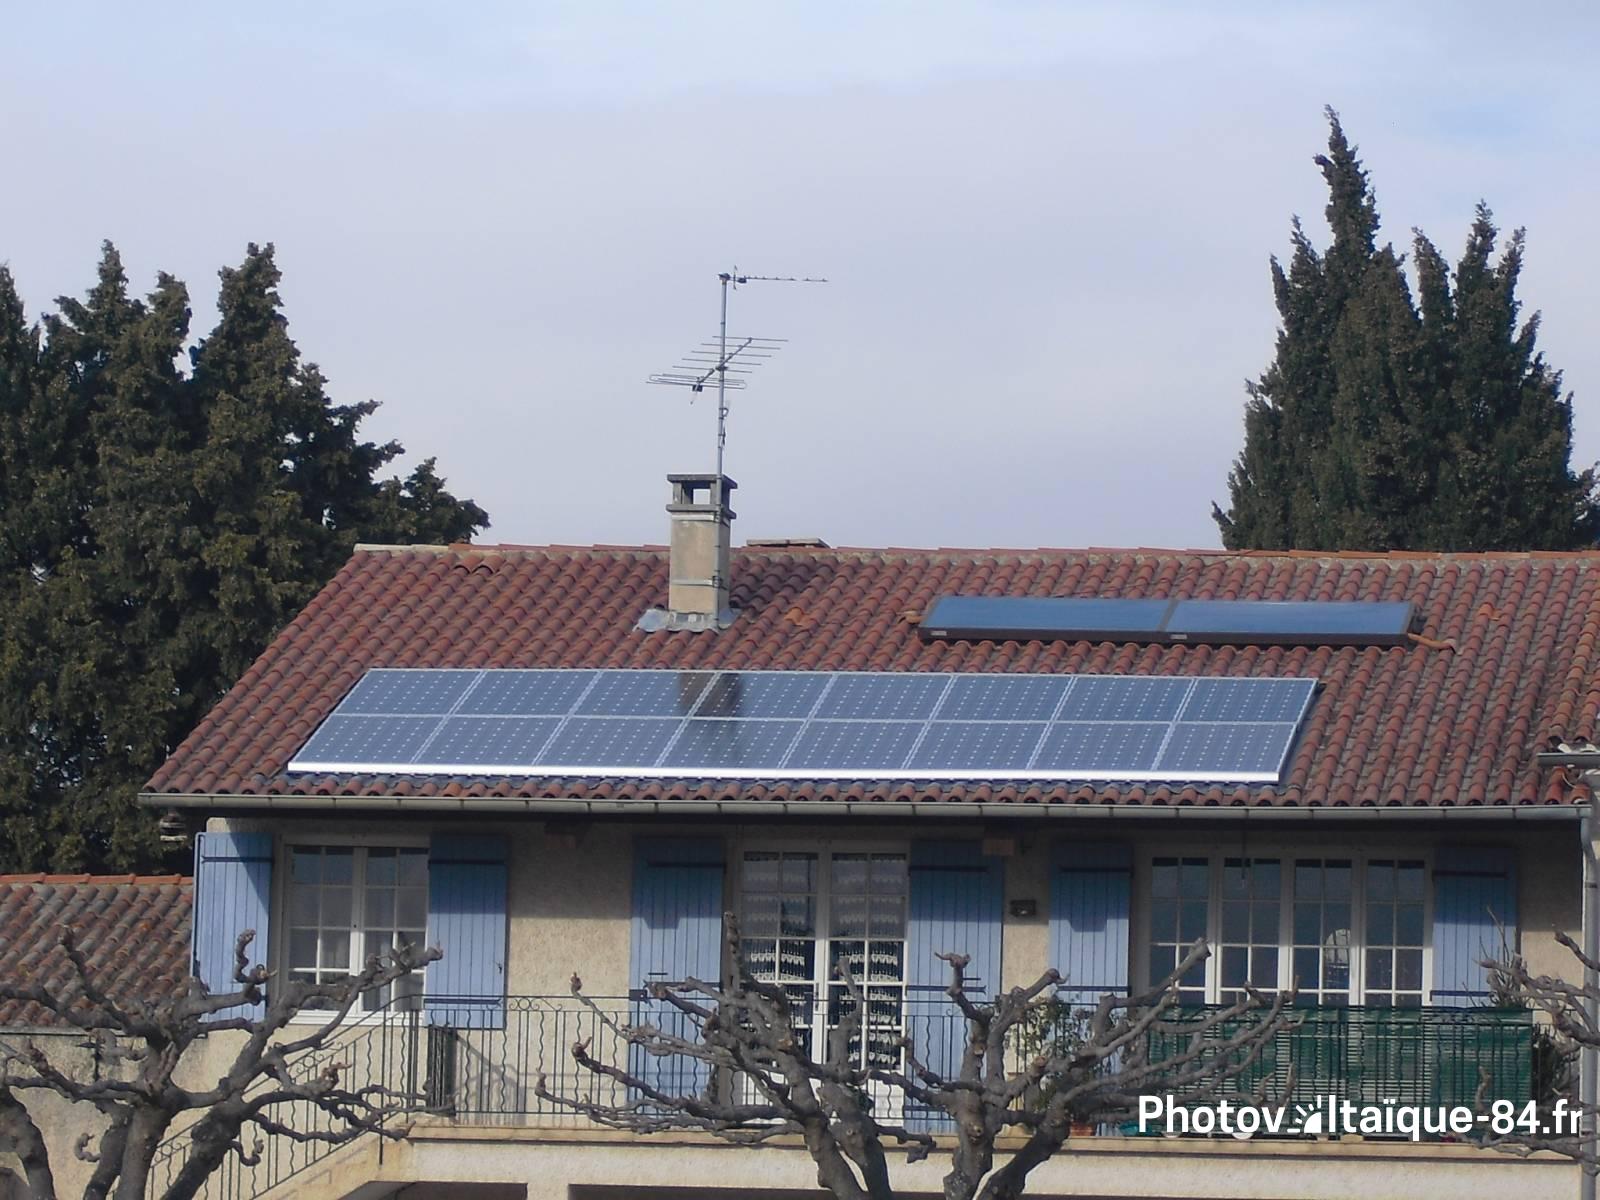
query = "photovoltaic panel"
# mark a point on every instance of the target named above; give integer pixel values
(885, 697)
(1102, 749)
(396, 692)
(1210, 748)
(491, 741)
(1003, 697)
(763, 694)
(830, 746)
(1124, 698)
(1248, 700)
(644, 693)
(590, 742)
(719, 744)
(811, 724)
(526, 693)
(956, 745)
(367, 743)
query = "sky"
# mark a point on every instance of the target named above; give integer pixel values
(1045, 228)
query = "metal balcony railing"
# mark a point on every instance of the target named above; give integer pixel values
(470, 1074)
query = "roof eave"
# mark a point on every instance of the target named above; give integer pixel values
(966, 809)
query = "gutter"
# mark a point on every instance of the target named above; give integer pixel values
(980, 810)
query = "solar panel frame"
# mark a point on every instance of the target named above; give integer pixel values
(943, 686)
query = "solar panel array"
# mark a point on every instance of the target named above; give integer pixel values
(1164, 621)
(811, 725)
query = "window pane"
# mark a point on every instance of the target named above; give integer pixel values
(1192, 921)
(302, 948)
(335, 950)
(1380, 882)
(338, 864)
(798, 916)
(1337, 879)
(889, 874)
(336, 906)
(1307, 924)
(1264, 968)
(799, 872)
(381, 867)
(1235, 966)
(1264, 922)
(305, 866)
(1235, 922)
(848, 916)
(1164, 921)
(379, 910)
(1380, 924)
(302, 905)
(1307, 967)
(413, 867)
(1196, 877)
(888, 920)
(1408, 969)
(1408, 925)
(1380, 969)
(849, 873)
(1308, 881)
(411, 908)
(1164, 877)
(1409, 881)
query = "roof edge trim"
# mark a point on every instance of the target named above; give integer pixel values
(967, 809)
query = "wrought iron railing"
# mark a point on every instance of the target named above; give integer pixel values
(478, 1068)
(378, 1049)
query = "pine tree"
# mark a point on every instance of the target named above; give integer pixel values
(156, 529)
(1392, 422)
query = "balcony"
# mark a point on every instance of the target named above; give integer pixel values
(488, 1077)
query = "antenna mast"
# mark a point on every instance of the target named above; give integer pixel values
(716, 359)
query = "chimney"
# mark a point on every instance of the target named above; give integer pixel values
(697, 586)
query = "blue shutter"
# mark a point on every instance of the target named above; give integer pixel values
(1089, 900)
(957, 905)
(466, 989)
(232, 893)
(677, 935)
(1474, 899)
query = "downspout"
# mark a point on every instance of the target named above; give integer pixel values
(1589, 1063)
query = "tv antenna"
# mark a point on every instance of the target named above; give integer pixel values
(727, 361)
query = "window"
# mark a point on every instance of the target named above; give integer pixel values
(1348, 929)
(346, 903)
(805, 912)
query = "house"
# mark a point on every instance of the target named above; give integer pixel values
(485, 746)
(133, 932)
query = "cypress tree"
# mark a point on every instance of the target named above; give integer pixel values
(1392, 422)
(157, 528)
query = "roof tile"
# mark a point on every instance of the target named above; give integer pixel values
(1506, 661)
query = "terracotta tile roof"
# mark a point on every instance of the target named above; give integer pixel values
(134, 929)
(1509, 658)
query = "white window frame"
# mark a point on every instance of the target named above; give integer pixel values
(278, 953)
(825, 849)
(1287, 855)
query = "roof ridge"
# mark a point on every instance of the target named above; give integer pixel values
(609, 548)
(96, 880)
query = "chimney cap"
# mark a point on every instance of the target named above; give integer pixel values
(707, 493)
(787, 543)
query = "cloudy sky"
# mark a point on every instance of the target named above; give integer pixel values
(1046, 228)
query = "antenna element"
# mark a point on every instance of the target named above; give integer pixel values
(726, 357)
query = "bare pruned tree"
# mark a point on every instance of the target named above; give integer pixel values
(1565, 1029)
(1017, 1075)
(150, 1039)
